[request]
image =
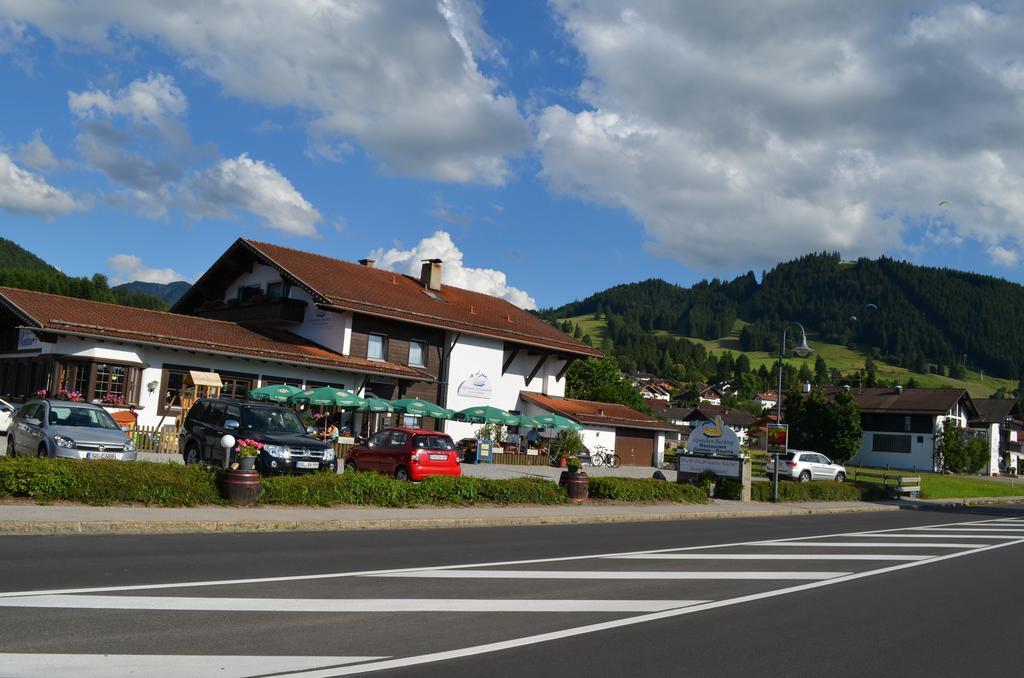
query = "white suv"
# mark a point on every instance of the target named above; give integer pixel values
(804, 466)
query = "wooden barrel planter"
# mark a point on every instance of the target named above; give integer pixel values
(240, 487)
(576, 484)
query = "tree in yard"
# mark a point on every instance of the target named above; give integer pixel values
(870, 372)
(601, 380)
(959, 453)
(805, 374)
(577, 331)
(830, 427)
(820, 371)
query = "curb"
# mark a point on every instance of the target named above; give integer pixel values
(967, 501)
(240, 526)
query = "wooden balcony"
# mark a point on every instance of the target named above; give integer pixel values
(277, 312)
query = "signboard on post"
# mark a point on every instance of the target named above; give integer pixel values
(727, 468)
(484, 450)
(778, 438)
(713, 437)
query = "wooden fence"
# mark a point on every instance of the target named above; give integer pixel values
(153, 439)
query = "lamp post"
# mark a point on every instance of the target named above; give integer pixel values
(803, 350)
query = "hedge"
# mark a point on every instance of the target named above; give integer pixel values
(104, 482)
(646, 490)
(816, 490)
(373, 489)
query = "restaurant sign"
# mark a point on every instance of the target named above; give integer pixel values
(778, 435)
(713, 437)
(477, 385)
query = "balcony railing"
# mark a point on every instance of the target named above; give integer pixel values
(261, 312)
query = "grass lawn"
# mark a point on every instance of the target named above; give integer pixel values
(835, 355)
(939, 486)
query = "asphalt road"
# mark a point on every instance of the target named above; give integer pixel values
(912, 592)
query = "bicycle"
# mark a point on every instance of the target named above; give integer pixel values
(601, 456)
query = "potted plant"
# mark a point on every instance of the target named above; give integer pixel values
(246, 454)
(569, 447)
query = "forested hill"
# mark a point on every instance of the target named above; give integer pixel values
(20, 268)
(925, 319)
(169, 292)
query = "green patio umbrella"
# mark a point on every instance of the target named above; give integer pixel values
(423, 408)
(483, 414)
(372, 404)
(278, 393)
(557, 421)
(523, 420)
(326, 396)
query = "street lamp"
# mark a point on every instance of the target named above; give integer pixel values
(803, 350)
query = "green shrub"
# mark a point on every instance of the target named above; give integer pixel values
(103, 482)
(816, 490)
(728, 488)
(647, 490)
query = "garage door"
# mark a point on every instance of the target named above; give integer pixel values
(635, 446)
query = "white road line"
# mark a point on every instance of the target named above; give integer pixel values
(619, 623)
(162, 665)
(359, 573)
(589, 575)
(870, 544)
(277, 605)
(768, 556)
(936, 535)
(973, 528)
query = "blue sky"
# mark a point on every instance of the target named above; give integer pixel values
(544, 150)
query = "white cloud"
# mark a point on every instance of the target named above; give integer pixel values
(759, 131)
(24, 192)
(36, 154)
(1003, 256)
(454, 272)
(256, 187)
(129, 268)
(151, 101)
(401, 78)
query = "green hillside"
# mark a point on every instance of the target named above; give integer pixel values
(25, 270)
(169, 292)
(938, 325)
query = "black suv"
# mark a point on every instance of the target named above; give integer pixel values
(288, 446)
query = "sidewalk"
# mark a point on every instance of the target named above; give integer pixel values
(27, 518)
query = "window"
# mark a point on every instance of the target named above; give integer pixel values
(235, 386)
(379, 439)
(198, 411)
(887, 442)
(275, 290)
(110, 383)
(438, 442)
(418, 353)
(412, 421)
(172, 378)
(248, 292)
(906, 424)
(398, 438)
(375, 347)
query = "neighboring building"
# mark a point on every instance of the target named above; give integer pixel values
(739, 421)
(902, 425)
(268, 314)
(1000, 421)
(653, 387)
(712, 395)
(638, 438)
(767, 400)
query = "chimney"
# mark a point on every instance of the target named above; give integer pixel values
(430, 274)
(600, 413)
(368, 263)
(899, 389)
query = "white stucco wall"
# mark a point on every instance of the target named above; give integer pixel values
(594, 436)
(260, 275)
(155, 358)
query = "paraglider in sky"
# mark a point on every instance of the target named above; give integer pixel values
(945, 202)
(871, 307)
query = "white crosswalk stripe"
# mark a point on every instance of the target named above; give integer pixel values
(627, 597)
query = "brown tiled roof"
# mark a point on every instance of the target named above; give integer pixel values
(994, 410)
(888, 400)
(595, 413)
(378, 292)
(110, 321)
(730, 417)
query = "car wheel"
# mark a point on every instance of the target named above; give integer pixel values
(42, 451)
(840, 477)
(350, 467)
(805, 476)
(191, 454)
(402, 473)
(12, 451)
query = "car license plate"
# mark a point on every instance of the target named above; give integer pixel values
(439, 457)
(100, 455)
(307, 464)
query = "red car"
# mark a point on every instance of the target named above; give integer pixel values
(406, 454)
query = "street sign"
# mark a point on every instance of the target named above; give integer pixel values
(778, 438)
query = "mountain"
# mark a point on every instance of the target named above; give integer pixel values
(169, 292)
(25, 270)
(925, 320)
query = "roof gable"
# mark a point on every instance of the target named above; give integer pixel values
(596, 413)
(378, 292)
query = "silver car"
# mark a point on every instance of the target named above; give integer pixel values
(58, 428)
(803, 466)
